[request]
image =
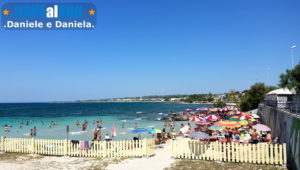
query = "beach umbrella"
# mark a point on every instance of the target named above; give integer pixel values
(224, 109)
(201, 123)
(239, 113)
(188, 110)
(261, 127)
(213, 117)
(229, 116)
(198, 109)
(244, 122)
(139, 130)
(246, 114)
(204, 108)
(231, 113)
(199, 135)
(113, 131)
(228, 124)
(155, 131)
(214, 110)
(196, 119)
(234, 118)
(254, 116)
(245, 118)
(215, 127)
(184, 129)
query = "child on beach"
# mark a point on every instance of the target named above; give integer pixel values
(34, 131)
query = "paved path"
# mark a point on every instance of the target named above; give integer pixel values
(159, 161)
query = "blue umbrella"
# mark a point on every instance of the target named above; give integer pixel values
(199, 135)
(215, 127)
(139, 130)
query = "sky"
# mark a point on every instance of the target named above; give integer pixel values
(152, 47)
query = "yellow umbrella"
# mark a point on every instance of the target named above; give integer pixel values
(228, 124)
(244, 122)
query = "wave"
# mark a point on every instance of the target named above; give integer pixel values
(26, 134)
(78, 132)
(123, 133)
(124, 120)
(138, 119)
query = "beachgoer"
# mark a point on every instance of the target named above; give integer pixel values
(20, 125)
(98, 135)
(34, 131)
(135, 126)
(123, 124)
(6, 128)
(31, 132)
(254, 137)
(27, 123)
(269, 138)
(84, 127)
(107, 137)
(77, 123)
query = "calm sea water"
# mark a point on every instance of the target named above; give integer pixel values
(68, 113)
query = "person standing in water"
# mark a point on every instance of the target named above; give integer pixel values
(77, 123)
(6, 128)
(135, 126)
(34, 131)
(31, 133)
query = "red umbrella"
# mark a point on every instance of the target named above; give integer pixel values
(196, 119)
(245, 118)
(188, 110)
(213, 117)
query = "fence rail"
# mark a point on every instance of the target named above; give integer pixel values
(261, 153)
(133, 148)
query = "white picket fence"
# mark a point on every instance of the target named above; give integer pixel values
(261, 153)
(126, 148)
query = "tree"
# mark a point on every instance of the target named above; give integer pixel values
(254, 95)
(232, 97)
(210, 97)
(291, 79)
(219, 103)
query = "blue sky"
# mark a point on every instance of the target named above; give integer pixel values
(143, 47)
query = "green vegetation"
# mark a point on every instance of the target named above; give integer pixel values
(198, 98)
(219, 103)
(291, 79)
(254, 95)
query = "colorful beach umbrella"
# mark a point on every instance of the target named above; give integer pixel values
(229, 116)
(215, 127)
(139, 130)
(199, 135)
(201, 123)
(246, 114)
(244, 122)
(188, 110)
(198, 109)
(261, 127)
(239, 113)
(196, 119)
(245, 118)
(213, 117)
(228, 124)
(234, 118)
(155, 131)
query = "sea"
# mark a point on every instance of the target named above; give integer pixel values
(40, 115)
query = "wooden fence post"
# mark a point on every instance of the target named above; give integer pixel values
(145, 147)
(65, 147)
(32, 145)
(104, 149)
(2, 144)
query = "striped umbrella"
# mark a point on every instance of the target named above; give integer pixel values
(228, 124)
(244, 122)
(261, 127)
(196, 119)
(234, 118)
(245, 118)
(213, 117)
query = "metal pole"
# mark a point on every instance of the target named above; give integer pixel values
(292, 59)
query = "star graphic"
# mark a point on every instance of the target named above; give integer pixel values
(5, 12)
(92, 12)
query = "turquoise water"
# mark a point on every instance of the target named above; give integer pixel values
(41, 115)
